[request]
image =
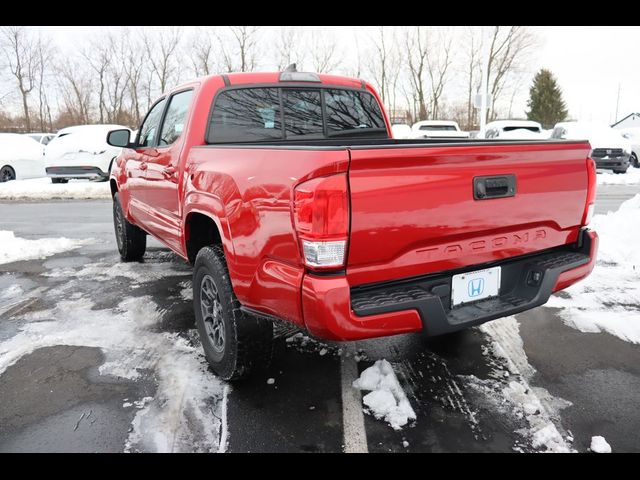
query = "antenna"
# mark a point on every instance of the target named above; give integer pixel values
(291, 68)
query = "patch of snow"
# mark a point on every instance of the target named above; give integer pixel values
(185, 413)
(405, 444)
(599, 445)
(607, 177)
(608, 300)
(386, 398)
(16, 249)
(101, 271)
(536, 406)
(271, 381)
(12, 291)
(43, 189)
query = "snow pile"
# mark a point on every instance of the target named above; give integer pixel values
(188, 410)
(599, 445)
(515, 396)
(14, 249)
(43, 189)
(607, 177)
(607, 300)
(386, 398)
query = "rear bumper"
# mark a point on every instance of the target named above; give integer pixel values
(75, 172)
(335, 311)
(612, 163)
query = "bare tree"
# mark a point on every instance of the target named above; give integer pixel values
(97, 55)
(135, 65)
(438, 62)
(20, 50)
(76, 91)
(325, 55)
(202, 52)
(416, 43)
(240, 48)
(473, 72)
(161, 48)
(508, 48)
(46, 58)
(289, 47)
(384, 66)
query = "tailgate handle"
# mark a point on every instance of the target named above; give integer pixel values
(485, 188)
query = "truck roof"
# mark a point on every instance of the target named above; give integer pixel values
(249, 78)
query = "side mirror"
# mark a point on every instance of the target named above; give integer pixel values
(119, 138)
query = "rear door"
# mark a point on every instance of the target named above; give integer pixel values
(415, 209)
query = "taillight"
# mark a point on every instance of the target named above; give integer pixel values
(321, 218)
(591, 192)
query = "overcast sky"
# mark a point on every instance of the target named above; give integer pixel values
(589, 63)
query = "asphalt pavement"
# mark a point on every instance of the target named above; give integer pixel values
(63, 395)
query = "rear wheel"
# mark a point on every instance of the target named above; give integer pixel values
(234, 342)
(7, 174)
(620, 171)
(634, 161)
(59, 180)
(131, 240)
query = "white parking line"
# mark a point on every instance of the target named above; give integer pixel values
(355, 436)
(224, 434)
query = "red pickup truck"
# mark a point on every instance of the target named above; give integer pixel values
(291, 198)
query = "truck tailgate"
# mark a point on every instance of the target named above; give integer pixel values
(413, 210)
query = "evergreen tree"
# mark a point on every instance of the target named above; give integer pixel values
(545, 100)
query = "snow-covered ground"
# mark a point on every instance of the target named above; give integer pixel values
(14, 249)
(607, 177)
(43, 189)
(608, 299)
(187, 413)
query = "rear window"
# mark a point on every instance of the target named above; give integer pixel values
(249, 115)
(348, 110)
(447, 128)
(531, 129)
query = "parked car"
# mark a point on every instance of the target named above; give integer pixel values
(80, 152)
(401, 131)
(609, 150)
(513, 130)
(437, 129)
(288, 194)
(632, 135)
(41, 138)
(20, 157)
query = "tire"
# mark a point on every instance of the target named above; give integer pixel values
(620, 171)
(7, 174)
(634, 161)
(59, 180)
(131, 240)
(234, 342)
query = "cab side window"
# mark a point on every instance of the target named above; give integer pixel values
(175, 118)
(149, 129)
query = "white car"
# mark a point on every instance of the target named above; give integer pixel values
(81, 152)
(609, 150)
(632, 134)
(401, 131)
(42, 138)
(437, 129)
(514, 130)
(20, 157)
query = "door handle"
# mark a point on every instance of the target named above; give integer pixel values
(169, 171)
(143, 166)
(485, 188)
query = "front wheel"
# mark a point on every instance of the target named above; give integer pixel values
(7, 174)
(634, 161)
(131, 240)
(234, 342)
(620, 171)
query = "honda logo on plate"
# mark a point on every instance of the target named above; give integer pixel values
(476, 287)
